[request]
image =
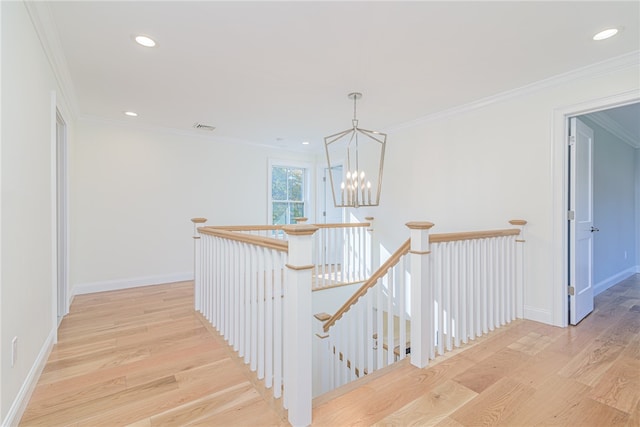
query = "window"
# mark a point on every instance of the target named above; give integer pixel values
(288, 193)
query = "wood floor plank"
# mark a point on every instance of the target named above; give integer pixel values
(547, 402)
(497, 403)
(490, 370)
(431, 408)
(619, 386)
(206, 406)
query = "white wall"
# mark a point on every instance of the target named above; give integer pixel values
(482, 167)
(27, 234)
(134, 191)
(614, 208)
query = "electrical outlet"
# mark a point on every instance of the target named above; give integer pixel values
(14, 351)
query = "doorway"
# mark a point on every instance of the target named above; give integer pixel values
(595, 259)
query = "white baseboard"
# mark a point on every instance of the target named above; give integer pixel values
(28, 386)
(114, 285)
(538, 315)
(616, 278)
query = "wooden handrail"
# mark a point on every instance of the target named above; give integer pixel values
(265, 242)
(471, 235)
(392, 261)
(279, 227)
(243, 227)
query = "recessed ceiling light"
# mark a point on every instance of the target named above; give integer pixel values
(605, 34)
(305, 142)
(145, 41)
(131, 113)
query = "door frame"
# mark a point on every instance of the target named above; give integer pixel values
(560, 192)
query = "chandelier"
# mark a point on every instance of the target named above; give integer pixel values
(355, 158)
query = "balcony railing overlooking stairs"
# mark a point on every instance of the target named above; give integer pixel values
(253, 284)
(341, 253)
(435, 293)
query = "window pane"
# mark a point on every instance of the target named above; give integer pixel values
(279, 213)
(296, 210)
(278, 183)
(296, 184)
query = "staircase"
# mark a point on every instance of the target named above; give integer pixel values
(436, 293)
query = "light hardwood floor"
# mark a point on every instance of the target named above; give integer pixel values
(526, 374)
(143, 357)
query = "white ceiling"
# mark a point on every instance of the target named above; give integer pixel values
(263, 71)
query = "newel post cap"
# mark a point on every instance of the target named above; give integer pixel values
(198, 220)
(518, 222)
(300, 229)
(419, 225)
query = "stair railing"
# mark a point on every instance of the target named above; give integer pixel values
(371, 330)
(433, 294)
(342, 253)
(256, 292)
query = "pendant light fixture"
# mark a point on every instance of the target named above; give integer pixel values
(355, 158)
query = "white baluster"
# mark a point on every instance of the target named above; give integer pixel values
(261, 310)
(402, 310)
(255, 274)
(446, 293)
(464, 289)
(277, 337)
(268, 320)
(369, 330)
(455, 293)
(379, 325)
(388, 279)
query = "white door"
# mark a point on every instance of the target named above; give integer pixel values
(62, 217)
(580, 221)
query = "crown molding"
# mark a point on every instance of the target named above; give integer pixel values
(606, 122)
(42, 20)
(618, 63)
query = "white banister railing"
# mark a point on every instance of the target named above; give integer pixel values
(256, 291)
(435, 293)
(452, 288)
(341, 253)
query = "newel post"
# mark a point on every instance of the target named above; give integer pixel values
(197, 279)
(422, 346)
(298, 333)
(519, 267)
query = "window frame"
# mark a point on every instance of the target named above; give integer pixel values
(306, 187)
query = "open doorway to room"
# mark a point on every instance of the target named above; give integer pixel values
(603, 203)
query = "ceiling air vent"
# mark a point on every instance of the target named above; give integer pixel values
(203, 127)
